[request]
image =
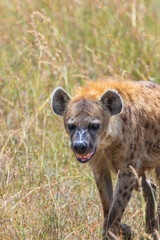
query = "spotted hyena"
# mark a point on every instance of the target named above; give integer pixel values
(115, 126)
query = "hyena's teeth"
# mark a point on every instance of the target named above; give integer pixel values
(87, 156)
(84, 156)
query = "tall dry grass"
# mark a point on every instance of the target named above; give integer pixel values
(44, 192)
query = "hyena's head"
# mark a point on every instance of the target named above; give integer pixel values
(86, 121)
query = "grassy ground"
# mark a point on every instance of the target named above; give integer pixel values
(44, 192)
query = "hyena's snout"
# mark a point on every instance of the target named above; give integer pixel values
(81, 146)
(80, 141)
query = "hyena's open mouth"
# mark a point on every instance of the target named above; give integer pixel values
(83, 158)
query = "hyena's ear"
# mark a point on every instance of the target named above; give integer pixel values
(112, 102)
(59, 101)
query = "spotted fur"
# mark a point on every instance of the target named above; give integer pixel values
(128, 141)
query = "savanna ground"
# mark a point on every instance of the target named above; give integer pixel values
(44, 192)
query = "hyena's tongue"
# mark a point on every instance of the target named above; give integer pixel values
(85, 157)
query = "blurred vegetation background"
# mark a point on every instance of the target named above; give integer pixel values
(44, 192)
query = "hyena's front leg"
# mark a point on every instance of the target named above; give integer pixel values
(104, 185)
(125, 185)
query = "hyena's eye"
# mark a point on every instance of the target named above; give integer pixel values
(71, 127)
(94, 126)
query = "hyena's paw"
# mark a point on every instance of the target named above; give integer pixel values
(110, 236)
(155, 235)
(125, 232)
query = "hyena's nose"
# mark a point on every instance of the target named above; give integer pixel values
(80, 147)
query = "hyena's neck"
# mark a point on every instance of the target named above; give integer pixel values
(114, 127)
(113, 132)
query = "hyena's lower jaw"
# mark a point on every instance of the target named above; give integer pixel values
(83, 158)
